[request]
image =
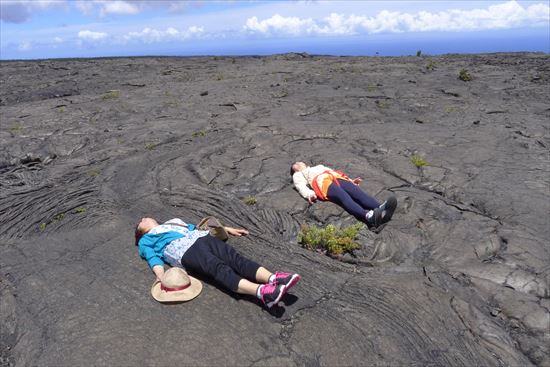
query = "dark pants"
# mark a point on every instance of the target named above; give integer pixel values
(351, 198)
(215, 258)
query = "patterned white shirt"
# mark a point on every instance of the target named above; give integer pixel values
(174, 251)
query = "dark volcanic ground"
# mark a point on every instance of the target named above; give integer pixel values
(459, 277)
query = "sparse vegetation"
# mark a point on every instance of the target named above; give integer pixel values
(93, 172)
(59, 217)
(42, 226)
(450, 109)
(219, 77)
(199, 133)
(150, 146)
(418, 161)
(111, 94)
(381, 104)
(16, 128)
(464, 75)
(430, 66)
(80, 210)
(249, 200)
(61, 109)
(332, 240)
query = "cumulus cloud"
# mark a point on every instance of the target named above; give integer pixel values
(119, 7)
(19, 11)
(92, 36)
(501, 16)
(151, 35)
(24, 46)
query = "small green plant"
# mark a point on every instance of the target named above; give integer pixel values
(371, 87)
(430, 66)
(80, 210)
(464, 75)
(249, 200)
(418, 53)
(219, 77)
(42, 226)
(418, 161)
(111, 94)
(16, 128)
(59, 217)
(333, 240)
(150, 146)
(61, 109)
(199, 133)
(93, 172)
(450, 109)
(381, 104)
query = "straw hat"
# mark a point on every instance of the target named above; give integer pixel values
(176, 286)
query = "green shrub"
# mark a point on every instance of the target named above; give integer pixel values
(333, 240)
(249, 200)
(111, 94)
(464, 75)
(418, 161)
(430, 66)
(199, 133)
(418, 53)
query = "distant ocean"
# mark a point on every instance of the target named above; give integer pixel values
(395, 44)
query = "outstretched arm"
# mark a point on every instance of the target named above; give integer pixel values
(236, 231)
(159, 271)
(300, 183)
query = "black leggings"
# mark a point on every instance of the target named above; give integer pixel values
(351, 198)
(215, 258)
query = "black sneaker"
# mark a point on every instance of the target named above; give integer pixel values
(376, 218)
(388, 207)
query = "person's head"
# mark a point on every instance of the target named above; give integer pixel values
(144, 226)
(297, 167)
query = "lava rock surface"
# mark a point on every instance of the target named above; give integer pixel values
(459, 277)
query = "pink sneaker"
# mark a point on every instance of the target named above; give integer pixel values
(271, 294)
(287, 280)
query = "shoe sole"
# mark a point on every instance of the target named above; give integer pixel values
(391, 204)
(295, 279)
(276, 300)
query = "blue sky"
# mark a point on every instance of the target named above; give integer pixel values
(33, 29)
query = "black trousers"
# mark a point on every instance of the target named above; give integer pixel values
(215, 258)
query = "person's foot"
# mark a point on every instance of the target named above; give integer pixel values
(388, 207)
(375, 218)
(271, 294)
(287, 280)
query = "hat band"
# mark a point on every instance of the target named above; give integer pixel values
(168, 289)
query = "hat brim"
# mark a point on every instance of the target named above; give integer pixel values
(177, 296)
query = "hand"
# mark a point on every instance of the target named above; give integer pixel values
(312, 199)
(236, 231)
(357, 180)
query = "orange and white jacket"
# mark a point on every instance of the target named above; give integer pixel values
(303, 180)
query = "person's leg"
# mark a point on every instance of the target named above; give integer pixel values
(359, 196)
(339, 196)
(199, 258)
(247, 268)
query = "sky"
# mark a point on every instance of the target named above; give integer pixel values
(38, 29)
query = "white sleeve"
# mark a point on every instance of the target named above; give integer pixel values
(300, 183)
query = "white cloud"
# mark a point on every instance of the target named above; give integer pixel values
(151, 35)
(501, 16)
(58, 40)
(19, 11)
(92, 36)
(24, 46)
(119, 7)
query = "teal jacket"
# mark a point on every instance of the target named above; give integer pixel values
(151, 246)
